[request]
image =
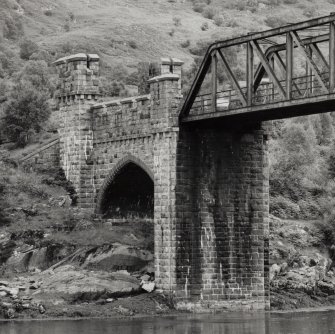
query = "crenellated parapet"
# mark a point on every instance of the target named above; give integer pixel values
(78, 77)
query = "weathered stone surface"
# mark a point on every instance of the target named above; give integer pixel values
(7, 247)
(148, 286)
(274, 270)
(38, 259)
(119, 257)
(9, 291)
(19, 261)
(69, 280)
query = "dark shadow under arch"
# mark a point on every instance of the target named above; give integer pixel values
(128, 191)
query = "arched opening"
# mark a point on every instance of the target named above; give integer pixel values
(129, 195)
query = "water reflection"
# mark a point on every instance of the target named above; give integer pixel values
(228, 323)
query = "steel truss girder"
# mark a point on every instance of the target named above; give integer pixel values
(266, 57)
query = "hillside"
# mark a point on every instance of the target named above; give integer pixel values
(129, 31)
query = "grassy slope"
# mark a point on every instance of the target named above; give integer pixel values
(107, 27)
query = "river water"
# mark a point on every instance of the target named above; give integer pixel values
(259, 323)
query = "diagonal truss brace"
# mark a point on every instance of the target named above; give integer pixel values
(309, 59)
(282, 66)
(233, 79)
(268, 67)
(317, 51)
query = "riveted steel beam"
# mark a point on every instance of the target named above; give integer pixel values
(289, 65)
(331, 57)
(319, 54)
(233, 80)
(214, 68)
(267, 67)
(250, 73)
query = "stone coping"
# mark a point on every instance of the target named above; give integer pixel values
(171, 61)
(77, 57)
(122, 101)
(163, 77)
(40, 149)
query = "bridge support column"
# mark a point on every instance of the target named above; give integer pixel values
(222, 200)
(165, 91)
(78, 89)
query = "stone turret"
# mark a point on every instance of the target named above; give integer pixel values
(165, 92)
(78, 89)
(172, 65)
(78, 75)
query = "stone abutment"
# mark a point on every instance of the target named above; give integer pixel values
(205, 187)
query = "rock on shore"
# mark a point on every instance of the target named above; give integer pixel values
(302, 272)
(68, 285)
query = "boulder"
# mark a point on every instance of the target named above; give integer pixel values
(327, 286)
(41, 308)
(10, 313)
(70, 280)
(19, 261)
(123, 310)
(119, 257)
(7, 247)
(145, 278)
(9, 291)
(274, 271)
(148, 286)
(38, 259)
(283, 267)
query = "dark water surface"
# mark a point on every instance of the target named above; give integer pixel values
(259, 323)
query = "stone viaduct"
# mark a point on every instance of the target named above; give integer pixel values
(205, 187)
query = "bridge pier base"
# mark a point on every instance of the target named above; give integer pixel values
(222, 200)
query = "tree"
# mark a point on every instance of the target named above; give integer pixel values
(327, 129)
(4, 89)
(25, 112)
(112, 88)
(145, 71)
(9, 60)
(293, 158)
(27, 48)
(36, 72)
(12, 27)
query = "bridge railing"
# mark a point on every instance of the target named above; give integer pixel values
(304, 86)
(271, 74)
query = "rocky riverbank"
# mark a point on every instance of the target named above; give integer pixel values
(57, 261)
(51, 280)
(70, 291)
(45, 279)
(302, 272)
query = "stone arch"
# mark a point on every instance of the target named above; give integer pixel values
(120, 165)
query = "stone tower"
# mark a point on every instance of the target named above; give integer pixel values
(78, 89)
